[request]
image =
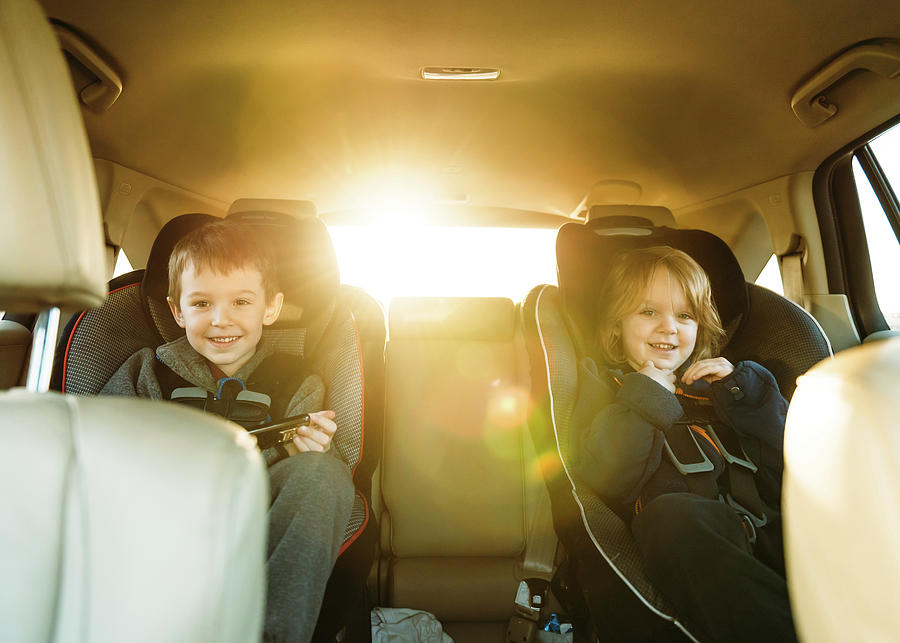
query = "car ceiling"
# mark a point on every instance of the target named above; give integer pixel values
(323, 100)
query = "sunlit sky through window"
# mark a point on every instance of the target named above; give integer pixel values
(443, 261)
(884, 250)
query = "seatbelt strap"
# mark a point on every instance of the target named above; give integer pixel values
(744, 496)
(792, 271)
(540, 537)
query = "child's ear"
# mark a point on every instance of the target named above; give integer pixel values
(273, 309)
(176, 313)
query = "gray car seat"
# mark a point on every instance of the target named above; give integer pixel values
(761, 325)
(338, 331)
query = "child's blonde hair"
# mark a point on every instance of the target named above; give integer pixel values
(222, 247)
(626, 286)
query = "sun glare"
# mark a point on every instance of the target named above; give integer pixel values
(419, 260)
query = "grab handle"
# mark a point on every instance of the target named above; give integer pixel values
(809, 102)
(100, 95)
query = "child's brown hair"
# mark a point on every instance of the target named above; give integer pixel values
(222, 248)
(626, 285)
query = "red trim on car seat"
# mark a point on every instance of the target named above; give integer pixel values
(362, 398)
(68, 346)
(72, 334)
(362, 433)
(361, 529)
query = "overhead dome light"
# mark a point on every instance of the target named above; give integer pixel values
(460, 73)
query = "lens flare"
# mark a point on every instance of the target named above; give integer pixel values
(508, 407)
(547, 465)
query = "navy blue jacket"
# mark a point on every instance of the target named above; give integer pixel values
(618, 431)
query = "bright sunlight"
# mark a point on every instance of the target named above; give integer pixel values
(444, 261)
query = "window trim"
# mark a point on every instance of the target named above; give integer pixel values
(846, 252)
(881, 185)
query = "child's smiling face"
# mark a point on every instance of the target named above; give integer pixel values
(223, 314)
(663, 328)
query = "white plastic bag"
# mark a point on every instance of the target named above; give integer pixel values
(401, 625)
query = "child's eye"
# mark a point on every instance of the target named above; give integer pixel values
(200, 304)
(685, 316)
(647, 312)
(242, 302)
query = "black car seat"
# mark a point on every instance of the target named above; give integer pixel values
(761, 326)
(338, 330)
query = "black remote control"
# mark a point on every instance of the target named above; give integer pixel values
(270, 435)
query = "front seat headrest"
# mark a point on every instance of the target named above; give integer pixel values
(52, 248)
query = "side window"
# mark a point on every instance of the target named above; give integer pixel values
(876, 171)
(122, 264)
(770, 277)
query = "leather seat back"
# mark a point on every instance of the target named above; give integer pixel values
(456, 471)
(122, 519)
(842, 496)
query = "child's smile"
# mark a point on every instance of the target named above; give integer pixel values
(663, 329)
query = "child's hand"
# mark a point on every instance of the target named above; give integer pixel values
(315, 437)
(665, 378)
(713, 369)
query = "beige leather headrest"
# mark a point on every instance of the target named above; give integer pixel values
(52, 245)
(842, 497)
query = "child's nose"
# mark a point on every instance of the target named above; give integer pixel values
(220, 316)
(667, 323)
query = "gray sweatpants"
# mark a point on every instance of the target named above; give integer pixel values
(312, 495)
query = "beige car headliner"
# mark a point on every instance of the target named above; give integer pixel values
(323, 100)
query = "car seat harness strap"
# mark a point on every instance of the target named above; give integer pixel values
(234, 399)
(700, 447)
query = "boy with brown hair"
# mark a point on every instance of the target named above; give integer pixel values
(223, 291)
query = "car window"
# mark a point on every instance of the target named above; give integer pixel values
(122, 264)
(770, 277)
(444, 261)
(881, 237)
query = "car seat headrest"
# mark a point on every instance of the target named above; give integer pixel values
(155, 284)
(156, 277)
(52, 248)
(656, 214)
(585, 253)
(307, 264)
(296, 208)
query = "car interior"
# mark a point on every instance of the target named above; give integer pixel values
(444, 187)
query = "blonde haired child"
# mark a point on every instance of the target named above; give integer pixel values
(663, 429)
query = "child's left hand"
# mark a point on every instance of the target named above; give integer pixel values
(712, 369)
(315, 437)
